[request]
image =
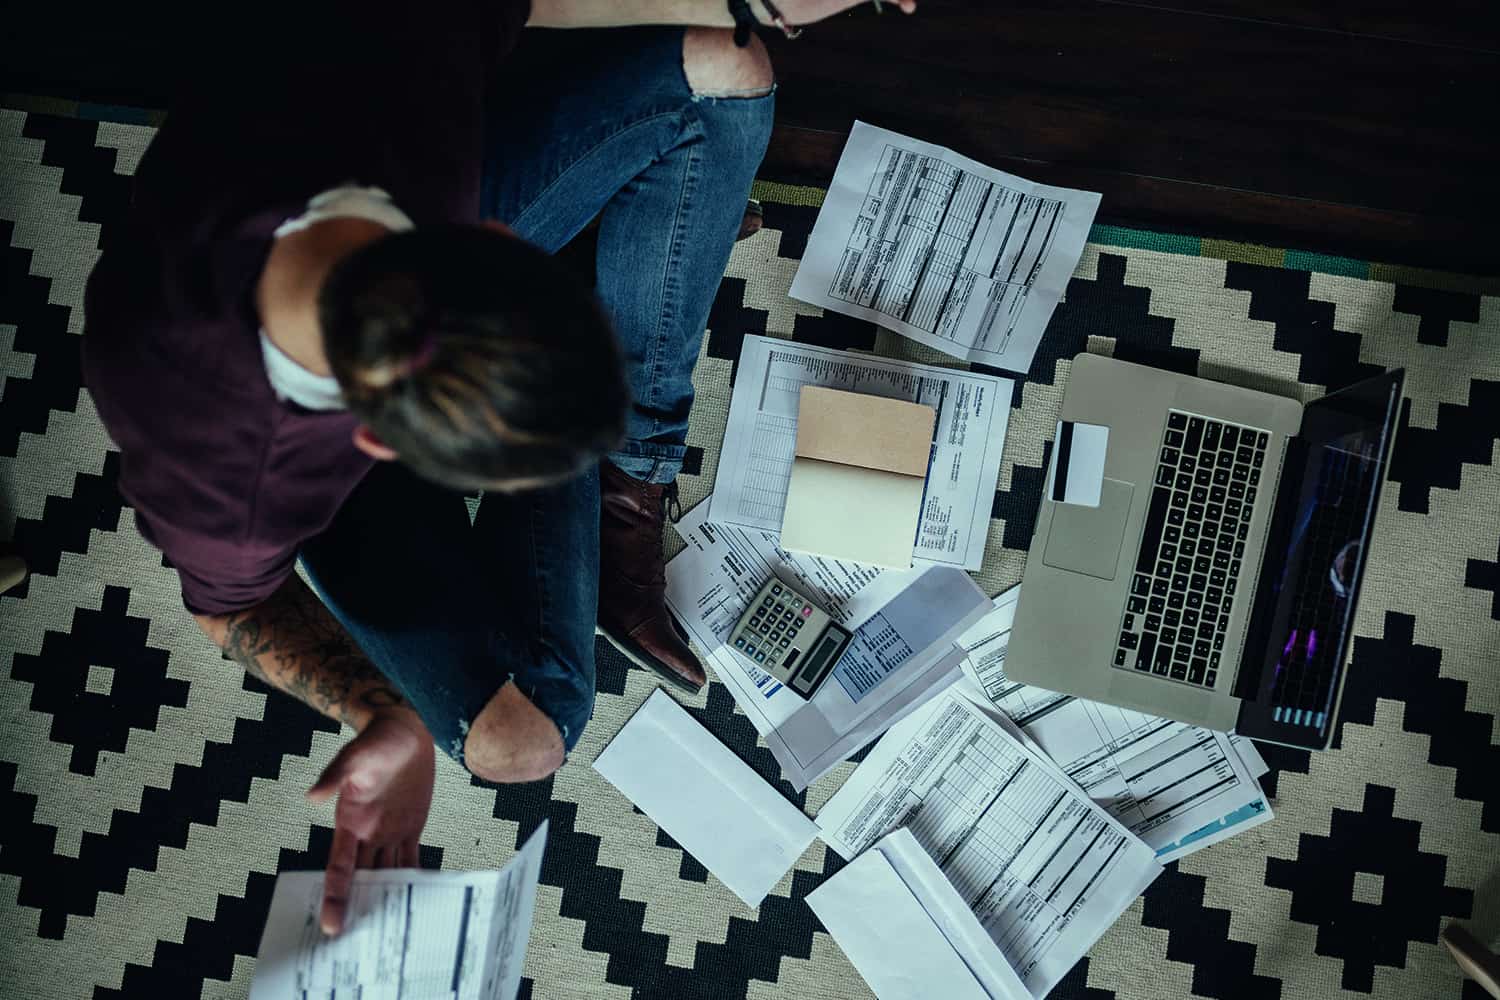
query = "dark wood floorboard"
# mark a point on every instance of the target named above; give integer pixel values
(1369, 129)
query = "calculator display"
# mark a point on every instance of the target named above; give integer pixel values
(822, 657)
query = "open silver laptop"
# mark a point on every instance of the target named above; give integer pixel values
(1199, 551)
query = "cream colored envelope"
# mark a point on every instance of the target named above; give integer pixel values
(858, 476)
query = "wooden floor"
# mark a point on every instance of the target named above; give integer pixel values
(1367, 128)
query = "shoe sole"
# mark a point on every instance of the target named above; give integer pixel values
(636, 655)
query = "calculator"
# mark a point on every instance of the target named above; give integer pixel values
(783, 633)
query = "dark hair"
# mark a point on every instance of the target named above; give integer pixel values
(475, 356)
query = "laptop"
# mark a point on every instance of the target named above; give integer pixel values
(1199, 548)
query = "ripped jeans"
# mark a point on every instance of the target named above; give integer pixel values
(581, 124)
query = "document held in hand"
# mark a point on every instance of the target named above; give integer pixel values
(858, 477)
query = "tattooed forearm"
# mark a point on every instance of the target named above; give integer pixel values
(292, 642)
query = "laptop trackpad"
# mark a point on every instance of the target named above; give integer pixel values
(1087, 539)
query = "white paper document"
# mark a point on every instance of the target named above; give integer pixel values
(760, 439)
(708, 800)
(902, 650)
(947, 251)
(1165, 780)
(1044, 869)
(408, 934)
(907, 930)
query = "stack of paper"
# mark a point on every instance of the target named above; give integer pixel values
(1178, 787)
(903, 648)
(1044, 869)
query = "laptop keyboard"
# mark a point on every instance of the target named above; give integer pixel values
(1183, 587)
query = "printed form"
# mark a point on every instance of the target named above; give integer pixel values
(409, 934)
(1171, 783)
(949, 252)
(755, 463)
(903, 644)
(1044, 869)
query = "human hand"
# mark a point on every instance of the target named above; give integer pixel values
(800, 12)
(383, 779)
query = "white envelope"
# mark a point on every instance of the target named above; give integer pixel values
(707, 799)
(907, 930)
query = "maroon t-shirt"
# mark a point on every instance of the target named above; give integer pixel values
(225, 478)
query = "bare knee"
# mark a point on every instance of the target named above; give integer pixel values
(512, 741)
(716, 67)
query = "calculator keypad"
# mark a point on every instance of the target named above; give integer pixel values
(775, 624)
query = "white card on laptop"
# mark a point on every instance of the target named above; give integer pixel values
(1076, 474)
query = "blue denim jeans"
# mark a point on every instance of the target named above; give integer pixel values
(581, 124)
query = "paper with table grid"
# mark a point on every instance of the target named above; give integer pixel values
(947, 251)
(760, 440)
(1044, 868)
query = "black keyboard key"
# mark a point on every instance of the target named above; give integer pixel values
(1172, 617)
(1195, 511)
(1244, 531)
(1199, 495)
(1189, 618)
(1239, 550)
(1260, 459)
(1213, 595)
(1119, 657)
(1240, 474)
(1221, 560)
(1228, 525)
(1153, 623)
(1128, 640)
(1210, 677)
(1221, 477)
(1159, 587)
(1188, 464)
(1225, 543)
(1254, 477)
(1184, 481)
(1218, 494)
(1151, 534)
(1162, 661)
(1176, 421)
(1203, 476)
(1263, 440)
(1179, 672)
(1129, 621)
(1214, 512)
(1184, 565)
(1196, 669)
(1179, 499)
(1169, 552)
(1175, 517)
(1148, 646)
(1210, 529)
(1236, 492)
(1137, 605)
(1250, 495)
(1168, 636)
(1194, 434)
(1211, 432)
(1205, 633)
(1171, 536)
(1225, 460)
(1194, 599)
(1164, 568)
(1243, 454)
(1164, 475)
(1198, 581)
(1229, 588)
(1141, 584)
(1182, 653)
(1179, 582)
(1169, 456)
(1174, 439)
(1189, 530)
(1174, 599)
(1188, 547)
(1156, 605)
(1231, 437)
(1201, 565)
(1219, 638)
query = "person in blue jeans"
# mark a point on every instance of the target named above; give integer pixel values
(332, 311)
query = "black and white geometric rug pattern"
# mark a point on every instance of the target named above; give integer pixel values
(149, 791)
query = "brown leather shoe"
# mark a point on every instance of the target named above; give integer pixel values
(632, 578)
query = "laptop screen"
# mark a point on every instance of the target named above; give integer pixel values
(1305, 608)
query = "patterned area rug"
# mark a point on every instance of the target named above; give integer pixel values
(149, 792)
